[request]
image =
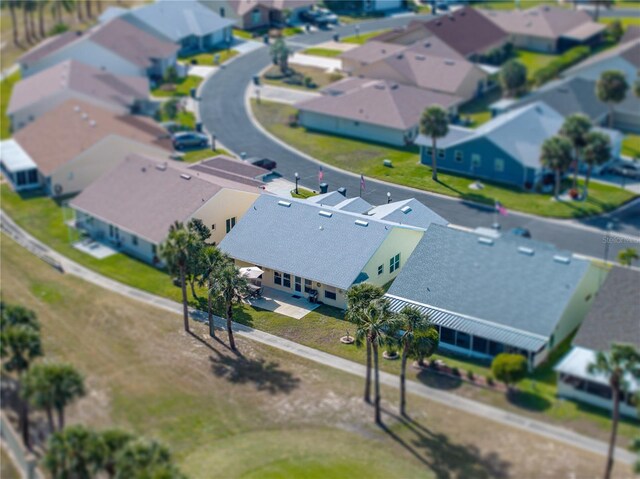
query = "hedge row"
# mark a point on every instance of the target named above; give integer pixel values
(564, 61)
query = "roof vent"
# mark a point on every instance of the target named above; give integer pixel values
(76, 108)
(400, 57)
(184, 176)
(525, 250)
(562, 259)
(487, 241)
(85, 116)
(284, 203)
(362, 223)
(383, 51)
(406, 209)
(421, 57)
(427, 44)
(449, 62)
(379, 86)
(326, 214)
(394, 86)
(161, 167)
(92, 123)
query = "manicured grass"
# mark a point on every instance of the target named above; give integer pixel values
(625, 21)
(182, 88)
(319, 77)
(291, 31)
(196, 155)
(184, 118)
(477, 110)
(631, 146)
(207, 58)
(303, 193)
(6, 87)
(362, 37)
(242, 34)
(513, 4)
(367, 158)
(323, 52)
(534, 61)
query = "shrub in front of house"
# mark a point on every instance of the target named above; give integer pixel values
(564, 61)
(509, 368)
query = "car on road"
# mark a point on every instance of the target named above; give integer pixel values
(189, 139)
(522, 232)
(266, 163)
(628, 170)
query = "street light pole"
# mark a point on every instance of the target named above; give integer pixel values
(606, 243)
(388, 197)
(297, 179)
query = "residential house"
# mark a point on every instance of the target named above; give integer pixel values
(430, 64)
(546, 28)
(71, 79)
(504, 150)
(368, 53)
(488, 295)
(134, 205)
(624, 57)
(631, 33)
(614, 317)
(578, 95)
(76, 142)
(322, 246)
(115, 46)
(231, 168)
(252, 14)
(189, 24)
(372, 110)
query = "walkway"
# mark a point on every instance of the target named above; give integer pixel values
(451, 400)
(315, 61)
(285, 95)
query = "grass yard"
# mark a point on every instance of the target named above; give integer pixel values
(534, 61)
(263, 413)
(323, 52)
(631, 146)
(625, 21)
(207, 57)
(320, 77)
(182, 88)
(367, 158)
(192, 156)
(6, 87)
(362, 37)
(184, 118)
(477, 110)
(242, 34)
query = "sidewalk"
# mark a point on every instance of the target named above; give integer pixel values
(565, 436)
(289, 96)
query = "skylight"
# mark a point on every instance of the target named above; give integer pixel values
(362, 223)
(284, 203)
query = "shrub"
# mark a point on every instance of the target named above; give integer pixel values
(513, 77)
(333, 77)
(455, 371)
(564, 61)
(470, 375)
(59, 28)
(615, 31)
(490, 380)
(509, 368)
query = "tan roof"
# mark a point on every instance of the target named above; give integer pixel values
(73, 127)
(132, 43)
(372, 51)
(145, 196)
(72, 75)
(230, 168)
(49, 46)
(378, 102)
(545, 21)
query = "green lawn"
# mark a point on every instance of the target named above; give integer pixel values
(242, 34)
(303, 193)
(625, 21)
(6, 87)
(363, 37)
(182, 88)
(196, 155)
(367, 158)
(184, 118)
(477, 110)
(320, 77)
(207, 58)
(534, 61)
(631, 146)
(323, 52)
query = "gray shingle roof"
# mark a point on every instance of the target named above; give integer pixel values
(458, 273)
(407, 212)
(614, 316)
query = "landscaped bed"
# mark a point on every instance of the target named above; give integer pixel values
(323, 52)
(181, 88)
(207, 58)
(367, 158)
(301, 77)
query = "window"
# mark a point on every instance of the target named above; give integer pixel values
(480, 345)
(231, 222)
(222, 12)
(495, 348)
(134, 240)
(380, 269)
(447, 335)
(213, 227)
(307, 285)
(329, 292)
(463, 340)
(441, 153)
(394, 263)
(459, 156)
(21, 178)
(428, 150)
(498, 165)
(277, 278)
(33, 176)
(476, 160)
(154, 249)
(286, 280)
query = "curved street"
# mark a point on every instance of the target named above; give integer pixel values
(223, 113)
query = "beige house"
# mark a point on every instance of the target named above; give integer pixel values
(76, 142)
(324, 246)
(133, 205)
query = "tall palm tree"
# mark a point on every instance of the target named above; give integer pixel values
(611, 88)
(434, 124)
(618, 365)
(13, 4)
(79, 14)
(176, 253)
(19, 346)
(195, 267)
(597, 151)
(87, 4)
(211, 261)
(75, 452)
(556, 156)
(358, 298)
(114, 440)
(376, 327)
(576, 128)
(38, 390)
(41, 5)
(145, 458)
(229, 287)
(15, 315)
(412, 323)
(25, 21)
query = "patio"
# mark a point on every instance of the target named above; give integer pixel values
(94, 248)
(283, 303)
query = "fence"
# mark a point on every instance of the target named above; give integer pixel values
(26, 462)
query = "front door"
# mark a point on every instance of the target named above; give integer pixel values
(298, 284)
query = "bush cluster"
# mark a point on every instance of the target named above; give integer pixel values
(564, 61)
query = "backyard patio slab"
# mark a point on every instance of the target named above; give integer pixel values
(283, 303)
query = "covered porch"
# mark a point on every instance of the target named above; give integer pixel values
(18, 167)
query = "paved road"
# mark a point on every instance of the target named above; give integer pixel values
(564, 436)
(222, 111)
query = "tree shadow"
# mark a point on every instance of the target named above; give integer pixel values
(444, 458)
(528, 400)
(267, 376)
(438, 381)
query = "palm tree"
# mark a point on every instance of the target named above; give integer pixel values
(25, 20)
(19, 346)
(576, 128)
(13, 4)
(76, 452)
(15, 315)
(619, 364)
(38, 390)
(229, 287)
(211, 261)
(376, 326)
(176, 253)
(41, 5)
(195, 267)
(597, 151)
(627, 256)
(114, 441)
(611, 88)
(412, 323)
(434, 124)
(556, 156)
(145, 458)
(358, 298)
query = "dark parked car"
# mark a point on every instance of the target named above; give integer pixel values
(628, 170)
(314, 17)
(189, 139)
(522, 232)
(265, 163)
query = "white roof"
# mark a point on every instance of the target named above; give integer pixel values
(576, 364)
(14, 158)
